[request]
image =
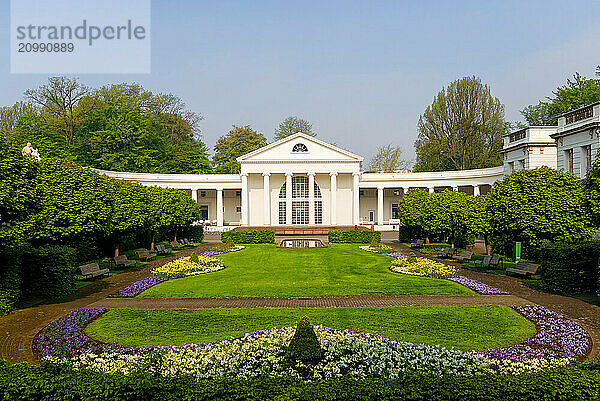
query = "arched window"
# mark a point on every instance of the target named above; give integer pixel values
(300, 202)
(300, 147)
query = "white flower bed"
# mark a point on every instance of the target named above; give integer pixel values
(346, 353)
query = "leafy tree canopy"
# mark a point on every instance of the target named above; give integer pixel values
(537, 207)
(117, 127)
(239, 141)
(389, 159)
(577, 92)
(293, 125)
(462, 129)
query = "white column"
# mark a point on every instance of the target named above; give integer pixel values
(195, 195)
(244, 204)
(333, 199)
(355, 199)
(380, 206)
(311, 198)
(220, 207)
(288, 198)
(476, 190)
(431, 189)
(267, 199)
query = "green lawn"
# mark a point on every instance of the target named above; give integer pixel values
(463, 327)
(266, 271)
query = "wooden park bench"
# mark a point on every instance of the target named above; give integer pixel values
(163, 250)
(446, 253)
(463, 256)
(176, 245)
(488, 261)
(122, 260)
(144, 254)
(92, 269)
(523, 269)
(417, 244)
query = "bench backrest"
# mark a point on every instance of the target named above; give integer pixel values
(174, 243)
(528, 267)
(465, 254)
(420, 242)
(120, 258)
(486, 260)
(141, 253)
(160, 247)
(495, 260)
(89, 268)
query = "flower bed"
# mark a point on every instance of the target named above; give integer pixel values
(176, 269)
(346, 352)
(477, 286)
(187, 267)
(383, 249)
(423, 267)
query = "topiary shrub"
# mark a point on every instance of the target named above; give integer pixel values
(304, 345)
(374, 242)
(194, 258)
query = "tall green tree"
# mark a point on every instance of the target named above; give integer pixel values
(462, 129)
(239, 141)
(577, 92)
(389, 159)
(293, 125)
(537, 207)
(121, 127)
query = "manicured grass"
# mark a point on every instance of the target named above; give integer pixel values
(463, 327)
(266, 271)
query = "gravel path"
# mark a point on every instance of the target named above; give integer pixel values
(308, 302)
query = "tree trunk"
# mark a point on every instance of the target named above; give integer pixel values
(152, 241)
(117, 249)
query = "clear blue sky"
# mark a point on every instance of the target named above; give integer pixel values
(361, 72)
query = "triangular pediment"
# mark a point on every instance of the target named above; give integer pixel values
(299, 147)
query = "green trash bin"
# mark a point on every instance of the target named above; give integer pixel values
(516, 251)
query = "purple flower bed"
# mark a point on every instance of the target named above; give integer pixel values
(477, 286)
(66, 336)
(393, 254)
(557, 337)
(138, 287)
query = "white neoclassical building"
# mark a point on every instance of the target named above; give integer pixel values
(301, 180)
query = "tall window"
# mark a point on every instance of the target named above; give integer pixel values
(300, 212)
(282, 212)
(569, 160)
(301, 202)
(319, 212)
(586, 159)
(395, 213)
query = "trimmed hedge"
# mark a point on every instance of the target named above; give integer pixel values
(355, 236)
(249, 236)
(571, 267)
(46, 382)
(48, 270)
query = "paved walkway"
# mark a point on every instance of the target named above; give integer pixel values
(18, 328)
(308, 302)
